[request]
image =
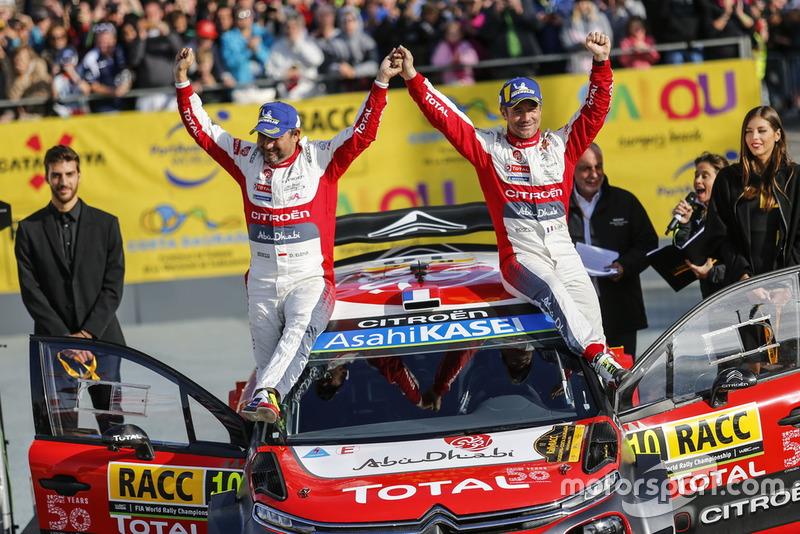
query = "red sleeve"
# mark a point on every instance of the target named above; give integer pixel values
(211, 137)
(443, 115)
(452, 363)
(585, 125)
(395, 372)
(355, 139)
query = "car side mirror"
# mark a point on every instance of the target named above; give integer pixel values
(730, 380)
(130, 436)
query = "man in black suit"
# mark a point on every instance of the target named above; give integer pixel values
(71, 269)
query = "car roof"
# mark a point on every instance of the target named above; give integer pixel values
(424, 294)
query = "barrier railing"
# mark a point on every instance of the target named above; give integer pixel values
(743, 45)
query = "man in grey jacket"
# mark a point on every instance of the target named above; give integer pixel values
(294, 61)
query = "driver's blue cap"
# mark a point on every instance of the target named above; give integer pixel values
(519, 89)
(275, 119)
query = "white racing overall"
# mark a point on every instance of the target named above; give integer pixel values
(290, 211)
(527, 185)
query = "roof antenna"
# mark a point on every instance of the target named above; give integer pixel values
(420, 270)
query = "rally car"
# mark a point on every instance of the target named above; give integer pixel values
(435, 403)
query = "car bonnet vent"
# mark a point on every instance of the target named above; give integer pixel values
(267, 477)
(602, 446)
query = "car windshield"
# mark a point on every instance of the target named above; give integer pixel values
(484, 387)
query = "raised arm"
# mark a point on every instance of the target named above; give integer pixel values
(441, 113)
(390, 66)
(183, 60)
(407, 62)
(599, 45)
(210, 136)
(584, 126)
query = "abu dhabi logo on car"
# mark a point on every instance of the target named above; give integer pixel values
(483, 450)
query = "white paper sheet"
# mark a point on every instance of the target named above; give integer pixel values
(595, 259)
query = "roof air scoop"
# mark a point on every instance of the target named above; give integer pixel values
(423, 298)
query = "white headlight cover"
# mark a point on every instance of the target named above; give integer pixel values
(596, 490)
(279, 521)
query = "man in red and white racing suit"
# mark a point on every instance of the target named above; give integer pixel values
(526, 178)
(289, 188)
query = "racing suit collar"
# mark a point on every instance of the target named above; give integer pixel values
(524, 143)
(289, 161)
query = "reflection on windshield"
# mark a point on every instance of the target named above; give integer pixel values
(464, 390)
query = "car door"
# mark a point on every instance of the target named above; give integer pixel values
(6, 516)
(123, 443)
(717, 401)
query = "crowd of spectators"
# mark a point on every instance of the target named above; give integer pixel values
(85, 56)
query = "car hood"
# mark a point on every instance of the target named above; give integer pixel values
(403, 480)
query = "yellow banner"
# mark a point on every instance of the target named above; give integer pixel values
(181, 215)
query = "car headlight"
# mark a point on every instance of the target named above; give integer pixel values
(269, 517)
(611, 524)
(597, 490)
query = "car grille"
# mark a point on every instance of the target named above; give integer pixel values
(439, 520)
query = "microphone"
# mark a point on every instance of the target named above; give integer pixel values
(690, 198)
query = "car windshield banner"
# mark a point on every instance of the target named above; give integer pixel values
(405, 333)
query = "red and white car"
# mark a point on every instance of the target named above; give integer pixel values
(436, 403)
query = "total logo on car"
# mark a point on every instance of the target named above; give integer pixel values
(437, 403)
